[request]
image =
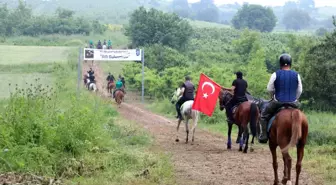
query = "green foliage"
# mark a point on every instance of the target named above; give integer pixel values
(320, 65)
(154, 27)
(321, 32)
(296, 19)
(255, 17)
(21, 21)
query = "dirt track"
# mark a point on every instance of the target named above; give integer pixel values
(207, 162)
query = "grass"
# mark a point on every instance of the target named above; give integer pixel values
(80, 138)
(21, 81)
(320, 152)
(117, 37)
(11, 55)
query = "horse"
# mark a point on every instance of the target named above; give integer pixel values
(104, 46)
(110, 86)
(93, 87)
(187, 114)
(289, 127)
(245, 115)
(86, 80)
(119, 96)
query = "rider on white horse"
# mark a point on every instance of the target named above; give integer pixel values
(187, 91)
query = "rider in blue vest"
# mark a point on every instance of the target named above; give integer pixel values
(286, 88)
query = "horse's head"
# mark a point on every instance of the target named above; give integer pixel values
(224, 98)
(176, 95)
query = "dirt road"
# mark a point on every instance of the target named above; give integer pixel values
(207, 162)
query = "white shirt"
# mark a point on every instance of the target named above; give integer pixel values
(270, 86)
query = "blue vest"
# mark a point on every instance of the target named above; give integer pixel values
(286, 84)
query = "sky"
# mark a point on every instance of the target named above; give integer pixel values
(318, 3)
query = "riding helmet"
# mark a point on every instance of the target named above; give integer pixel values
(285, 59)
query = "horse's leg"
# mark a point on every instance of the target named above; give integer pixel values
(287, 168)
(247, 135)
(195, 120)
(300, 153)
(240, 132)
(252, 143)
(275, 163)
(177, 129)
(229, 135)
(187, 129)
(241, 142)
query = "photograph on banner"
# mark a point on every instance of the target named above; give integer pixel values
(100, 54)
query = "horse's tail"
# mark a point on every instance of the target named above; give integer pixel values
(296, 129)
(253, 118)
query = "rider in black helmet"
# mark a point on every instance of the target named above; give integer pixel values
(285, 87)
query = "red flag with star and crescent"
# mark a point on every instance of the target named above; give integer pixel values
(206, 96)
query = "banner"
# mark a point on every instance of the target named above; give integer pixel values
(109, 54)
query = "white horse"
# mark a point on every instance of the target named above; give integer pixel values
(104, 47)
(93, 87)
(187, 113)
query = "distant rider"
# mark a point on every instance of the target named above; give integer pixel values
(109, 44)
(119, 86)
(187, 91)
(91, 44)
(90, 72)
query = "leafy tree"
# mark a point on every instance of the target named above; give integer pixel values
(181, 7)
(319, 72)
(64, 13)
(321, 31)
(153, 27)
(254, 17)
(206, 10)
(296, 19)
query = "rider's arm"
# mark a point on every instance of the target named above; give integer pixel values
(232, 88)
(299, 89)
(270, 85)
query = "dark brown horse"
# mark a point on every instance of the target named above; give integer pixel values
(119, 96)
(110, 86)
(289, 128)
(247, 112)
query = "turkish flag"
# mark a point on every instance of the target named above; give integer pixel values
(206, 96)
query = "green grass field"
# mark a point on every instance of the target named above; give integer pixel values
(11, 81)
(31, 54)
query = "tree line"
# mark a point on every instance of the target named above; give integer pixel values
(21, 21)
(219, 52)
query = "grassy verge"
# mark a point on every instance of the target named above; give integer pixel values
(320, 152)
(49, 131)
(117, 38)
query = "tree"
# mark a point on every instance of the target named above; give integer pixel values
(155, 27)
(181, 7)
(255, 17)
(319, 72)
(296, 19)
(206, 10)
(307, 5)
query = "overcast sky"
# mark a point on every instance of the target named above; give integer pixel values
(318, 3)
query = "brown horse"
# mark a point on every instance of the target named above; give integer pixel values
(119, 96)
(110, 86)
(289, 128)
(247, 112)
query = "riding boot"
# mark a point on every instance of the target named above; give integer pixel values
(263, 135)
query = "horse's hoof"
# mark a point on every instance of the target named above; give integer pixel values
(251, 150)
(240, 149)
(177, 140)
(284, 181)
(237, 141)
(228, 146)
(245, 151)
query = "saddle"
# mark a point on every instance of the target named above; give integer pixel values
(270, 122)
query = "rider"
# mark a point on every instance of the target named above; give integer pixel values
(286, 87)
(104, 43)
(239, 88)
(92, 80)
(119, 86)
(90, 72)
(188, 89)
(110, 77)
(109, 44)
(99, 44)
(91, 44)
